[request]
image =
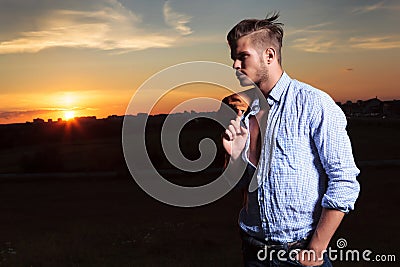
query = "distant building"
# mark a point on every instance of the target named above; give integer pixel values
(369, 108)
(50, 121)
(86, 119)
(38, 120)
(115, 117)
(391, 108)
(352, 109)
(372, 107)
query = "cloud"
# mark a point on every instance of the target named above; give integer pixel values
(15, 114)
(311, 29)
(382, 42)
(176, 20)
(368, 8)
(105, 25)
(7, 115)
(326, 44)
(313, 44)
(316, 39)
(313, 38)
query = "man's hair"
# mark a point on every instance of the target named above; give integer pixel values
(264, 32)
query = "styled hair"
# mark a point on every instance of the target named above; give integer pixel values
(264, 32)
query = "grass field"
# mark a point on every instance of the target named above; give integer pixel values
(104, 222)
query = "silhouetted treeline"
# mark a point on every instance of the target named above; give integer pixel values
(92, 145)
(18, 135)
(96, 145)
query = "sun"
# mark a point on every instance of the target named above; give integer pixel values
(69, 114)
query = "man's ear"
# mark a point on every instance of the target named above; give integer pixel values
(270, 55)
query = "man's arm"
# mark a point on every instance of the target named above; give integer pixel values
(328, 129)
(327, 226)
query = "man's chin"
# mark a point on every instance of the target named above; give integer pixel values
(245, 81)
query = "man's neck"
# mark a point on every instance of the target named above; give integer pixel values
(269, 84)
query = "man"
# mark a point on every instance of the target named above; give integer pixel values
(293, 139)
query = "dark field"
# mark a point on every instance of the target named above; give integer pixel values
(107, 220)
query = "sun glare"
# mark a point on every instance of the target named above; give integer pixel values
(68, 99)
(69, 114)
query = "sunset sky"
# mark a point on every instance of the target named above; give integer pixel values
(89, 56)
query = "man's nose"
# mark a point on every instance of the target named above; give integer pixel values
(236, 64)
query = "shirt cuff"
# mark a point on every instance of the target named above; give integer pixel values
(329, 203)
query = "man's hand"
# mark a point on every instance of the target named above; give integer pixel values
(235, 137)
(327, 225)
(310, 257)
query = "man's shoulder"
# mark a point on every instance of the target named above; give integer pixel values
(313, 100)
(307, 93)
(300, 87)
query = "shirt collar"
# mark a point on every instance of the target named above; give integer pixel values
(274, 96)
(280, 87)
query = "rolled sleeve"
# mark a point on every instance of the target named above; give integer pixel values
(335, 153)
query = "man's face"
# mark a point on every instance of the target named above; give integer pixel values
(248, 61)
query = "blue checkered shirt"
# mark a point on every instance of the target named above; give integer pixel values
(307, 166)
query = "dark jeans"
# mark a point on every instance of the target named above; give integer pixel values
(272, 257)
